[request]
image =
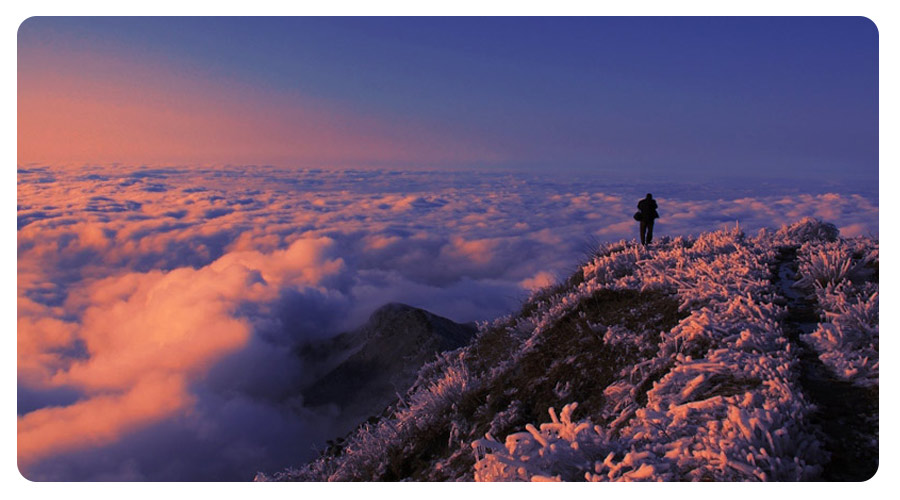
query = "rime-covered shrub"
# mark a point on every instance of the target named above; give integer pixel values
(720, 400)
(559, 451)
(831, 263)
(436, 396)
(807, 229)
(839, 275)
(608, 267)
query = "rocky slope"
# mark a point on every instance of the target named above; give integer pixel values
(723, 357)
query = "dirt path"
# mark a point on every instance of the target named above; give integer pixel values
(846, 414)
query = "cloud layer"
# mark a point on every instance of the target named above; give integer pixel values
(158, 307)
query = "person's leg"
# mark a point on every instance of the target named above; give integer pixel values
(643, 232)
(649, 232)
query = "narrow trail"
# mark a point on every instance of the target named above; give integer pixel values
(843, 410)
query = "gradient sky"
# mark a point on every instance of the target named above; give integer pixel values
(159, 308)
(761, 97)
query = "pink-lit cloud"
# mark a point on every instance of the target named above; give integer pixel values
(168, 300)
(146, 336)
(100, 419)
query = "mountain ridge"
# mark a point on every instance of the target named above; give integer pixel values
(679, 362)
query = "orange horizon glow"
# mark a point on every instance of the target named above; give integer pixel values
(82, 108)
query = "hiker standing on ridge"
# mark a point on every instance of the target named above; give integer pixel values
(647, 213)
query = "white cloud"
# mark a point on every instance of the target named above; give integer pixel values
(139, 285)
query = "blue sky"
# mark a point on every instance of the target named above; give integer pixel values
(790, 98)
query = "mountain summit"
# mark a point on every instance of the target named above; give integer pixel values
(722, 357)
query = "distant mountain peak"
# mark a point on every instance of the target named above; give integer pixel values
(386, 353)
(392, 307)
(398, 320)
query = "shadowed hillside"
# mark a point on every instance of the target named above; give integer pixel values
(724, 357)
(382, 358)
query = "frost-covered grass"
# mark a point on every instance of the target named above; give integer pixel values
(842, 275)
(667, 364)
(722, 401)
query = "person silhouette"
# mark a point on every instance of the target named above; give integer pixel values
(648, 213)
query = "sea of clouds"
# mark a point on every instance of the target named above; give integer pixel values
(159, 309)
